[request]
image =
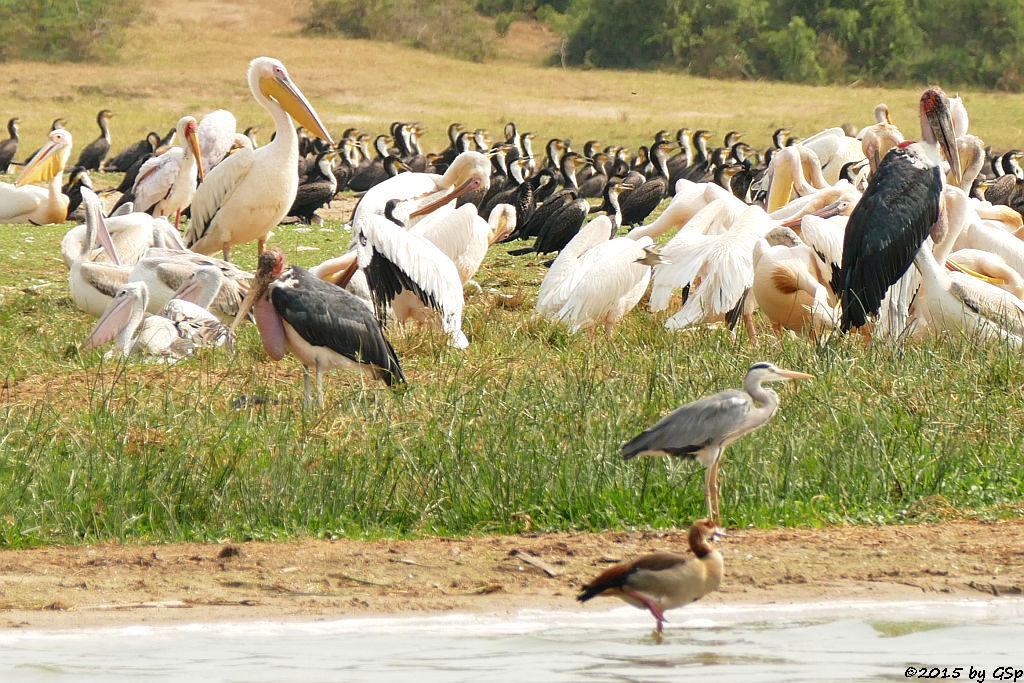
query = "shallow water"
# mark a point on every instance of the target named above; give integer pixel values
(791, 642)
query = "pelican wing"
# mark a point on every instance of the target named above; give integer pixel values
(156, 178)
(215, 192)
(17, 202)
(449, 232)
(826, 239)
(603, 275)
(395, 259)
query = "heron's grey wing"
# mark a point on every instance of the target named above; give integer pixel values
(694, 427)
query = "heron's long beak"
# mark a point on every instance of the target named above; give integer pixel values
(471, 184)
(288, 95)
(46, 164)
(793, 374)
(935, 108)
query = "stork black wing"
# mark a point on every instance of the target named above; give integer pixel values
(327, 315)
(885, 230)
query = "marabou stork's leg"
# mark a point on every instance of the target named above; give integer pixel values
(308, 395)
(319, 384)
(650, 604)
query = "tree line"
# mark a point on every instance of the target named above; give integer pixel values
(890, 42)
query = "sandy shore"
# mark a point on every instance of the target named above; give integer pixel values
(71, 587)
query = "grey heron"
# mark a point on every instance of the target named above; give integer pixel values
(704, 428)
(661, 581)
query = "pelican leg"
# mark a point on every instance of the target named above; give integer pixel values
(227, 251)
(259, 246)
(650, 604)
(177, 221)
(748, 321)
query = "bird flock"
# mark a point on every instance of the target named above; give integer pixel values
(841, 230)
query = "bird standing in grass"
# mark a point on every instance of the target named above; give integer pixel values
(662, 581)
(704, 428)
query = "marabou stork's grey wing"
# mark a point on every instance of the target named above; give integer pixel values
(889, 223)
(327, 315)
(693, 427)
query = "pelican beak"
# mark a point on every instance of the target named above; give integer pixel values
(836, 208)
(793, 374)
(189, 291)
(282, 90)
(113, 320)
(935, 108)
(192, 138)
(471, 184)
(49, 162)
(94, 216)
(957, 268)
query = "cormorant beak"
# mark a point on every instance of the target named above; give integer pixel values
(282, 90)
(935, 109)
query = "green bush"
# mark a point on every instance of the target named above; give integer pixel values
(64, 30)
(446, 26)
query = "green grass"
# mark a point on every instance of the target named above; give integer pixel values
(521, 430)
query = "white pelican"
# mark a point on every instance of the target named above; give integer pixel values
(464, 236)
(165, 271)
(132, 233)
(189, 308)
(409, 274)
(166, 184)
(551, 295)
(23, 202)
(957, 301)
(156, 336)
(992, 267)
(788, 278)
(249, 193)
(470, 171)
(323, 325)
(608, 282)
(217, 136)
(93, 285)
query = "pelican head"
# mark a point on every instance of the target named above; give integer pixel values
(128, 304)
(202, 287)
(48, 161)
(937, 128)
(188, 130)
(268, 79)
(469, 171)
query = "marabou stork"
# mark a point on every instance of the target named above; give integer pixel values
(897, 212)
(322, 324)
